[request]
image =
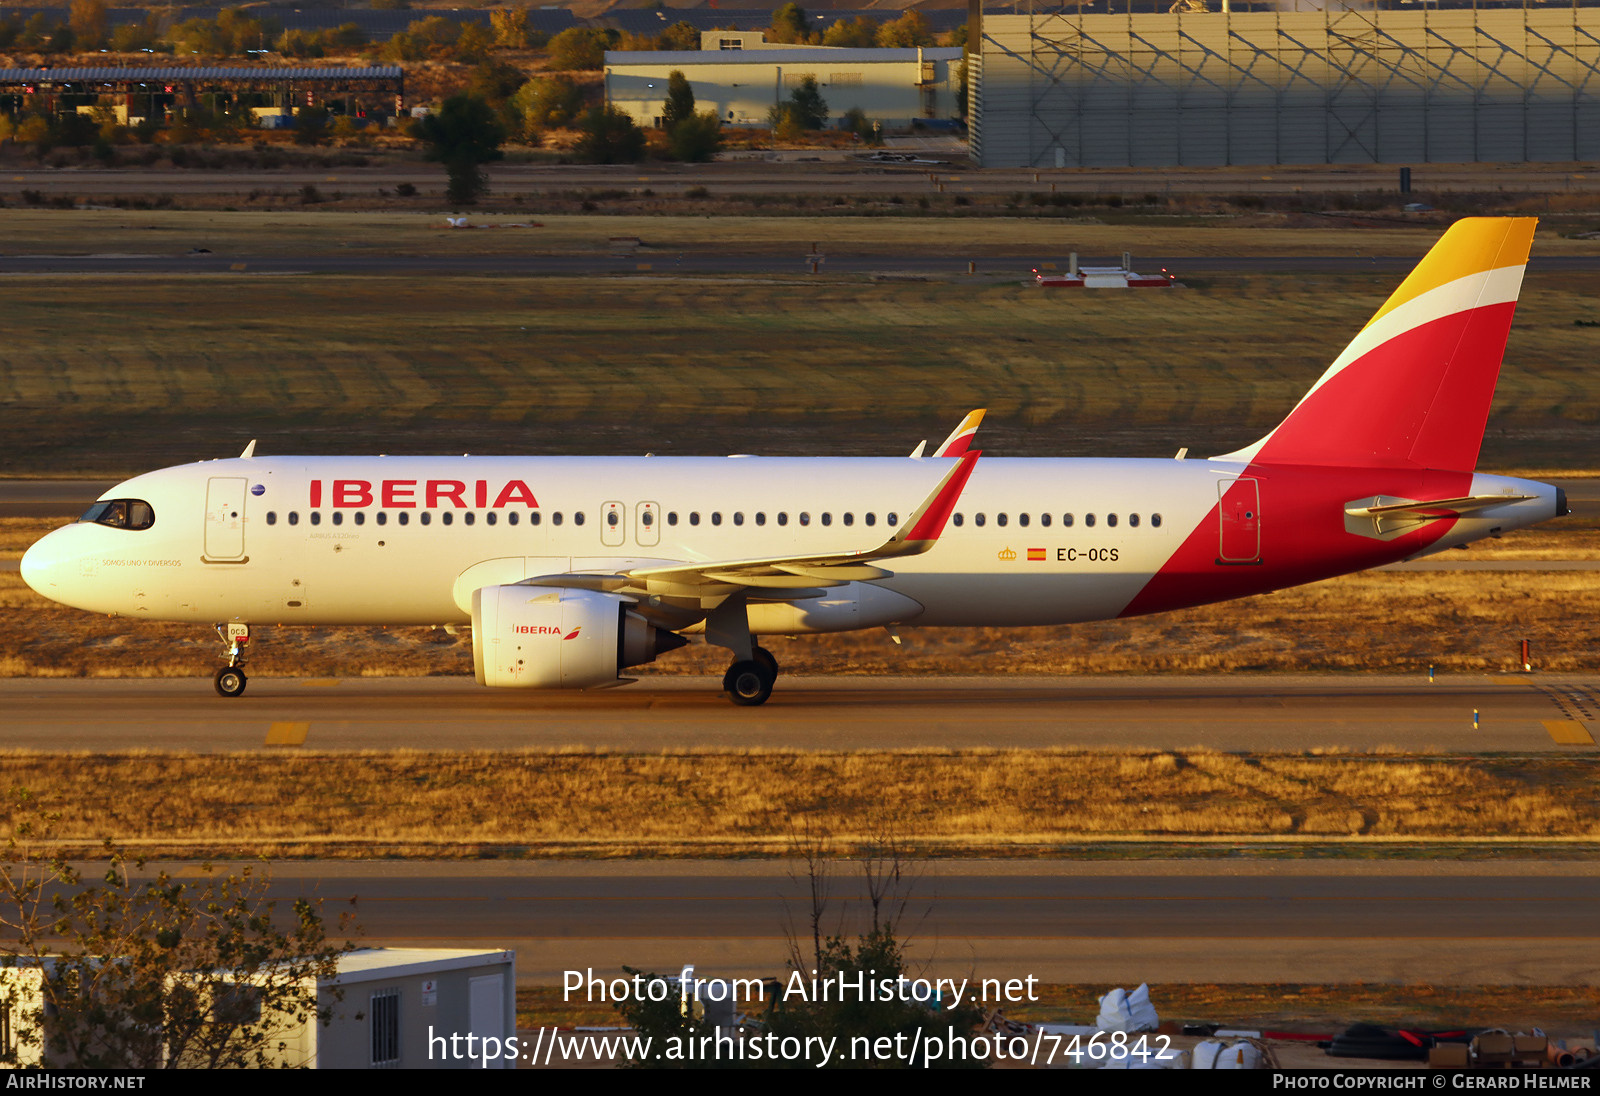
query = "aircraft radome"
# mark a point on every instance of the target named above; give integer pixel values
(571, 569)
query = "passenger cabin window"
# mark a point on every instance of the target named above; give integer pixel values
(958, 520)
(1155, 521)
(121, 514)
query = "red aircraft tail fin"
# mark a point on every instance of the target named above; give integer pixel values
(1413, 389)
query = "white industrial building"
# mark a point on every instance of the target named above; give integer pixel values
(742, 85)
(400, 1008)
(1066, 88)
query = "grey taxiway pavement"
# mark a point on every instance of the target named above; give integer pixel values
(1059, 921)
(1517, 713)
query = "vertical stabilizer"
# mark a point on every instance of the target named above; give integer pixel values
(1413, 389)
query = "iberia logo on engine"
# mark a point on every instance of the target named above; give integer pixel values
(544, 630)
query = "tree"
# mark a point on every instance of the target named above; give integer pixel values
(682, 35)
(696, 138)
(680, 100)
(463, 136)
(510, 28)
(544, 103)
(805, 110)
(610, 137)
(156, 972)
(581, 48)
(473, 43)
(311, 125)
(789, 24)
(911, 29)
(88, 21)
(495, 82)
(860, 32)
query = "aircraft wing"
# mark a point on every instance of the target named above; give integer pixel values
(798, 576)
(961, 437)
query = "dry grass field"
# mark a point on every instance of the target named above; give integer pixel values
(299, 232)
(755, 803)
(115, 374)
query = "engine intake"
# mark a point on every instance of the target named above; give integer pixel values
(534, 637)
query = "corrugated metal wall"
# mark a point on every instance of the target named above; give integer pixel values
(1210, 89)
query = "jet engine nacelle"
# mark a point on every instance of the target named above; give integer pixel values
(534, 637)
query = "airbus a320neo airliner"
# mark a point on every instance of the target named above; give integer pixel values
(571, 569)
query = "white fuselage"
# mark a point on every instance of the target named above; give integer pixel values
(405, 540)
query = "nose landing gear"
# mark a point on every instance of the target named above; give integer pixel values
(231, 680)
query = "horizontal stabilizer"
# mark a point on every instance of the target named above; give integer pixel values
(1440, 508)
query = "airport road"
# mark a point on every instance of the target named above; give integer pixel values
(811, 172)
(663, 263)
(1520, 714)
(1060, 921)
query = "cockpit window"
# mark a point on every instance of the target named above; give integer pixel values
(121, 514)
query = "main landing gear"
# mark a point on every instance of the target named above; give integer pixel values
(230, 680)
(749, 682)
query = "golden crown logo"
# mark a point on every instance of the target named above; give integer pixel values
(1007, 555)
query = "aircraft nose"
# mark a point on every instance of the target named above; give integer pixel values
(41, 564)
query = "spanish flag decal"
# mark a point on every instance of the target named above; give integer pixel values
(1035, 555)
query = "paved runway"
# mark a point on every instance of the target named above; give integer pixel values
(1060, 921)
(1521, 714)
(669, 263)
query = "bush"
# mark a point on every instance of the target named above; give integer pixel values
(610, 137)
(582, 48)
(696, 139)
(463, 136)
